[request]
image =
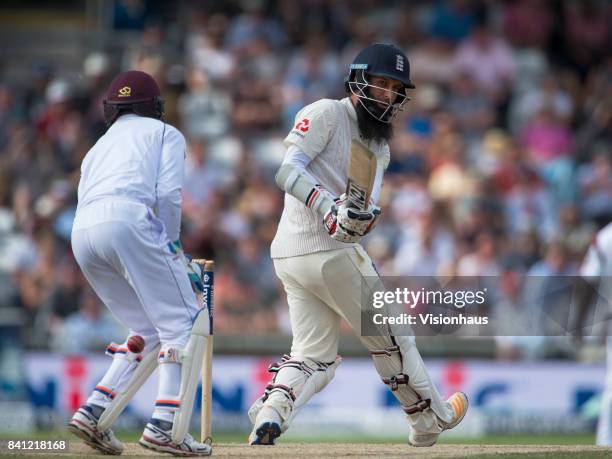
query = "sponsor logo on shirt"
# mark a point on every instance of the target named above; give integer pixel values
(303, 125)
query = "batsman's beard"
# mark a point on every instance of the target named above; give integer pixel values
(369, 127)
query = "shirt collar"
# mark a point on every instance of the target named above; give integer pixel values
(350, 108)
(128, 116)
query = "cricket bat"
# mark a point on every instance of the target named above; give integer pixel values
(361, 174)
(208, 279)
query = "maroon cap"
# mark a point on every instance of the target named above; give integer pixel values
(132, 86)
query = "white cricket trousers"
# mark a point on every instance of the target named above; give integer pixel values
(122, 249)
(322, 288)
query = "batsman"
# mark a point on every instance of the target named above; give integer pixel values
(322, 266)
(125, 240)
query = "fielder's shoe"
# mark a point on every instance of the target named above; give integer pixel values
(266, 428)
(157, 436)
(84, 424)
(458, 403)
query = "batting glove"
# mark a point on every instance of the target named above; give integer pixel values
(335, 230)
(357, 221)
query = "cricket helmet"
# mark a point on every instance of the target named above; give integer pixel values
(135, 92)
(379, 59)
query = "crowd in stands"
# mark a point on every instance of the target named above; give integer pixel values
(501, 163)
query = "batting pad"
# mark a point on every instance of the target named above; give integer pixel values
(410, 383)
(121, 399)
(191, 365)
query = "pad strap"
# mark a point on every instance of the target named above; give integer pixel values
(105, 391)
(116, 351)
(419, 406)
(168, 403)
(170, 355)
(286, 390)
(287, 361)
(394, 381)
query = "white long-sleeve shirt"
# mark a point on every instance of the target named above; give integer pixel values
(323, 132)
(138, 159)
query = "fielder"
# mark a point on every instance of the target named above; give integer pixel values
(597, 270)
(321, 265)
(128, 215)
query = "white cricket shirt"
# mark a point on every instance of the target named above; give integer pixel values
(324, 131)
(140, 160)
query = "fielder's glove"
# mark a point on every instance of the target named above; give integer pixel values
(194, 270)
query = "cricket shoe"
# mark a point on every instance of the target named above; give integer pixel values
(84, 424)
(266, 427)
(157, 436)
(458, 404)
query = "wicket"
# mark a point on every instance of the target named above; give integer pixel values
(208, 276)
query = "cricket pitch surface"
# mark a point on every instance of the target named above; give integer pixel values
(293, 450)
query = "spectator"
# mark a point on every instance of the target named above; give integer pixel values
(473, 110)
(482, 261)
(425, 248)
(529, 206)
(550, 147)
(432, 61)
(83, 330)
(587, 28)
(205, 110)
(311, 74)
(548, 94)
(253, 24)
(205, 49)
(452, 20)
(488, 60)
(528, 23)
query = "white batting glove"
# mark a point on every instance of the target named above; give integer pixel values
(337, 232)
(358, 221)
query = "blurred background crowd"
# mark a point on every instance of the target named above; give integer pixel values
(501, 163)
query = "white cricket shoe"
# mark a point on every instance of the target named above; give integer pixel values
(157, 436)
(84, 424)
(266, 428)
(458, 403)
